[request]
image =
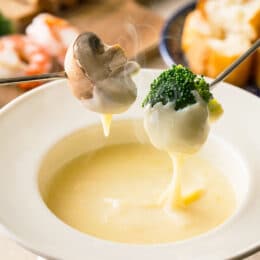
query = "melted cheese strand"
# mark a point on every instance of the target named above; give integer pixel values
(175, 194)
(173, 197)
(106, 120)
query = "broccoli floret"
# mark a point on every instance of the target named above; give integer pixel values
(215, 110)
(177, 85)
(5, 26)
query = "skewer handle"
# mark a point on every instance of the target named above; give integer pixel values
(42, 77)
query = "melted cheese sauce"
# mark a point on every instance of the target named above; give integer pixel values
(112, 193)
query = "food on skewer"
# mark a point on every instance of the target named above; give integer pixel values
(100, 76)
(178, 110)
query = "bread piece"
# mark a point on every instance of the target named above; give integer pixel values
(208, 54)
(196, 31)
(233, 16)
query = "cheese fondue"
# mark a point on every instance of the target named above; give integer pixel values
(112, 193)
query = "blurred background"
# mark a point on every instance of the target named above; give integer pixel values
(206, 35)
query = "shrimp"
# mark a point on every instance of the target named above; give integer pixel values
(53, 34)
(19, 56)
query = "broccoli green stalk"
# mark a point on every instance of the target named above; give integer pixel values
(5, 26)
(177, 85)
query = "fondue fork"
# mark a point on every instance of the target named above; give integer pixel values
(233, 65)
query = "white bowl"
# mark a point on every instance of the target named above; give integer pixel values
(33, 123)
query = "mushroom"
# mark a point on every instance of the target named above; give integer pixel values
(100, 75)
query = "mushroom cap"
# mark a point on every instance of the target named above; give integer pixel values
(100, 75)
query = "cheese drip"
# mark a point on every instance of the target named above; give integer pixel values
(106, 120)
(100, 76)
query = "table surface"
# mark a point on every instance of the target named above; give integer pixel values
(9, 250)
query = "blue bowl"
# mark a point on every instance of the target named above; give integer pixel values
(170, 42)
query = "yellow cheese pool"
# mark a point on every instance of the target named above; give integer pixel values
(113, 193)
